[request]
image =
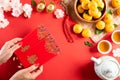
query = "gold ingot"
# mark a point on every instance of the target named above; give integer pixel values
(41, 6)
(51, 6)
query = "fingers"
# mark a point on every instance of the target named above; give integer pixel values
(32, 72)
(14, 48)
(32, 68)
(10, 43)
(15, 40)
(37, 73)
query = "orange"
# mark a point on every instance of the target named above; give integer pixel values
(80, 9)
(100, 25)
(98, 15)
(84, 1)
(86, 33)
(87, 17)
(108, 18)
(77, 28)
(85, 5)
(93, 12)
(92, 5)
(101, 4)
(115, 3)
(118, 11)
(109, 27)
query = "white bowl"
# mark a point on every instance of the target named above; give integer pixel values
(106, 44)
(117, 35)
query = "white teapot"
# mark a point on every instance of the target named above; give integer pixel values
(106, 67)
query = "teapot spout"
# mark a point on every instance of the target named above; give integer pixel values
(97, 61)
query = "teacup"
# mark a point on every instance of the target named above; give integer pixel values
(104, 47)
(116, 36)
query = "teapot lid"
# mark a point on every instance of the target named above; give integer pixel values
(109, 69)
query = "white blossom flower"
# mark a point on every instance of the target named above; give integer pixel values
(5, 5)
(1, 15)
(59, 13)
(116, 52)
(1, 11)
(27, 10)
(17, 9)
(14, 1)
(15, 4)
(17, 12)
(4, 23)
(1, 3)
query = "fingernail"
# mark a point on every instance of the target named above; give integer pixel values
(37, 64)
(20, 43)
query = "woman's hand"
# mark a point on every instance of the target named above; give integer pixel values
(29, 73)
(8, 49)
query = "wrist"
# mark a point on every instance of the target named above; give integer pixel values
(14, 78)
(0, 52)
(1, 62)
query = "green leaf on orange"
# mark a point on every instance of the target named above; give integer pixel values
(97, 31)
(33, 3)
(100, 9)
(109, 12)
(115, 25)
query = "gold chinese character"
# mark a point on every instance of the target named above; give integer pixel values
(32, 59)
(25, 48)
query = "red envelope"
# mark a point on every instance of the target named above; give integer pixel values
(37, 47)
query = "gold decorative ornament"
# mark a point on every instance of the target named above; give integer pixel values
(51, 6)
(41, 6)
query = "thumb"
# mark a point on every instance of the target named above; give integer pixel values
(32, 68)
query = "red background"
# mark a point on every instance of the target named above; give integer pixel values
(73, 63)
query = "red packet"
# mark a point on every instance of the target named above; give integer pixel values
(37, 47)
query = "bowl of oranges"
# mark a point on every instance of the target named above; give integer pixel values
(90, 10)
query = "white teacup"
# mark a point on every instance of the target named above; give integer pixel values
(104, 47)
(116, 36)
